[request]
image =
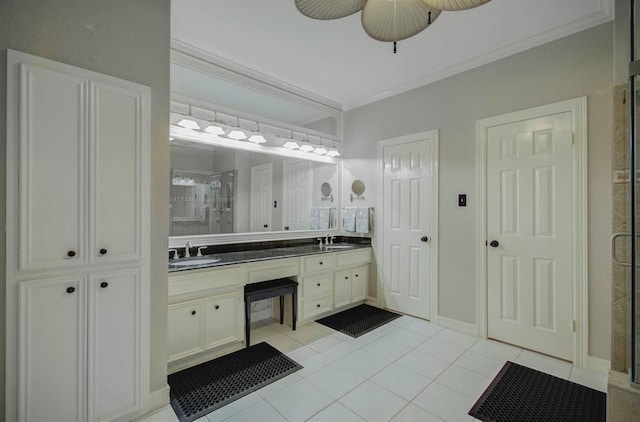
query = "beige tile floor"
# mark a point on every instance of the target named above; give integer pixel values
(407, 370)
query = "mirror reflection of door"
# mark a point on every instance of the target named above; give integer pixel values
(261, 194)
(297, 194)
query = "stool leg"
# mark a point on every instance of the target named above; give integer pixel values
(281, 309)
(247, 322)
(294, 306)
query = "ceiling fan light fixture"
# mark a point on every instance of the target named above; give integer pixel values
(452, 5)
(329, 9)
(396, 20)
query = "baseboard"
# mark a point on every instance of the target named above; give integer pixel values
(598, 364)
(372, 301)
(454, 324)
(154, 402)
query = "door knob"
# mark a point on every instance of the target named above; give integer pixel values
(494, 243)
(424, 239)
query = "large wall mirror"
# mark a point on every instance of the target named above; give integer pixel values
(221, 194)
(222, 191)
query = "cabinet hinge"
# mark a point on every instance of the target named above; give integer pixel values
(574, 325)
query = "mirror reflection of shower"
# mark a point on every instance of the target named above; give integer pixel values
(203, 202)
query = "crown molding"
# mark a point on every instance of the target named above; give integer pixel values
(605, 14)
(188, 55)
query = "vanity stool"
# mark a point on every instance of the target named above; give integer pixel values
(265, 290)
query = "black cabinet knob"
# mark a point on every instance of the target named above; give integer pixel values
(193, 312)
(265, 226)
(104, 284)
(357, 275)
(494, 243)
(103, 251)
(346, 278)
(424, 239)
(318, 284)
(318, 305)
(71, 254)
(71, 290)
(320, 262)
(216, 307)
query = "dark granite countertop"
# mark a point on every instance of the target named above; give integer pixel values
(240, 257)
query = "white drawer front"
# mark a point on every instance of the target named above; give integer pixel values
(315, 306)
(320, 262)
(195, 280)
(360, 256)
(317, 285)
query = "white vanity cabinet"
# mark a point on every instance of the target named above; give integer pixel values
(205, 310)
(316, 281)
(77, 273)
(186, 329)
(352, 277)
(350, 286)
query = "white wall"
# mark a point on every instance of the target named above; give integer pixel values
(122, 38)
(575, 66)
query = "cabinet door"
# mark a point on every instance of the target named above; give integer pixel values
(185, 329)
(342, 288)
(223, 319)
(114, 343)
(52, 169)
(52, 350)
(116, 192)
(359, 282)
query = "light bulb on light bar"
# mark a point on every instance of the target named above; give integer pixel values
(291, 145)
(214, 130)
(257, 139)
(189, 124)
(320, 151)
(333, 153)
(237, 135)
(306, 148)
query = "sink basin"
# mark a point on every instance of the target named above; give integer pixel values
(190, 262)
(329, 247)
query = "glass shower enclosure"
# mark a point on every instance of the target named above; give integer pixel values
(634, 150)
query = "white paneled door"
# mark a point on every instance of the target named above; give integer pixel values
(409, 201)
(261, 195)
(297, 195)
(530, 230)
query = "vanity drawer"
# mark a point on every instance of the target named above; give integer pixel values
(360, 256)
(317, 284)
(320, 262)
(315, 306)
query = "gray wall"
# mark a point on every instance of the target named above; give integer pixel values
(128, 39)
(575, 66)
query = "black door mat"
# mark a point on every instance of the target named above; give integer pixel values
(359, 320)
(519, 393)
(204, 388)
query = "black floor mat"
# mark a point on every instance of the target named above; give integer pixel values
(204, 388)
(519, 393)
(359, 320)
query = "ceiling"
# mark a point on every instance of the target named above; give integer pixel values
(336, 63)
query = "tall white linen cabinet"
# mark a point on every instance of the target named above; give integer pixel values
(77, 248)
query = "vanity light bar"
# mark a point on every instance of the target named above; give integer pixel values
(257, 139)
(210, 139)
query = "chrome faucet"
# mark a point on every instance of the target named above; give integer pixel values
(328, 239)
(186, 249)
(175, 253)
